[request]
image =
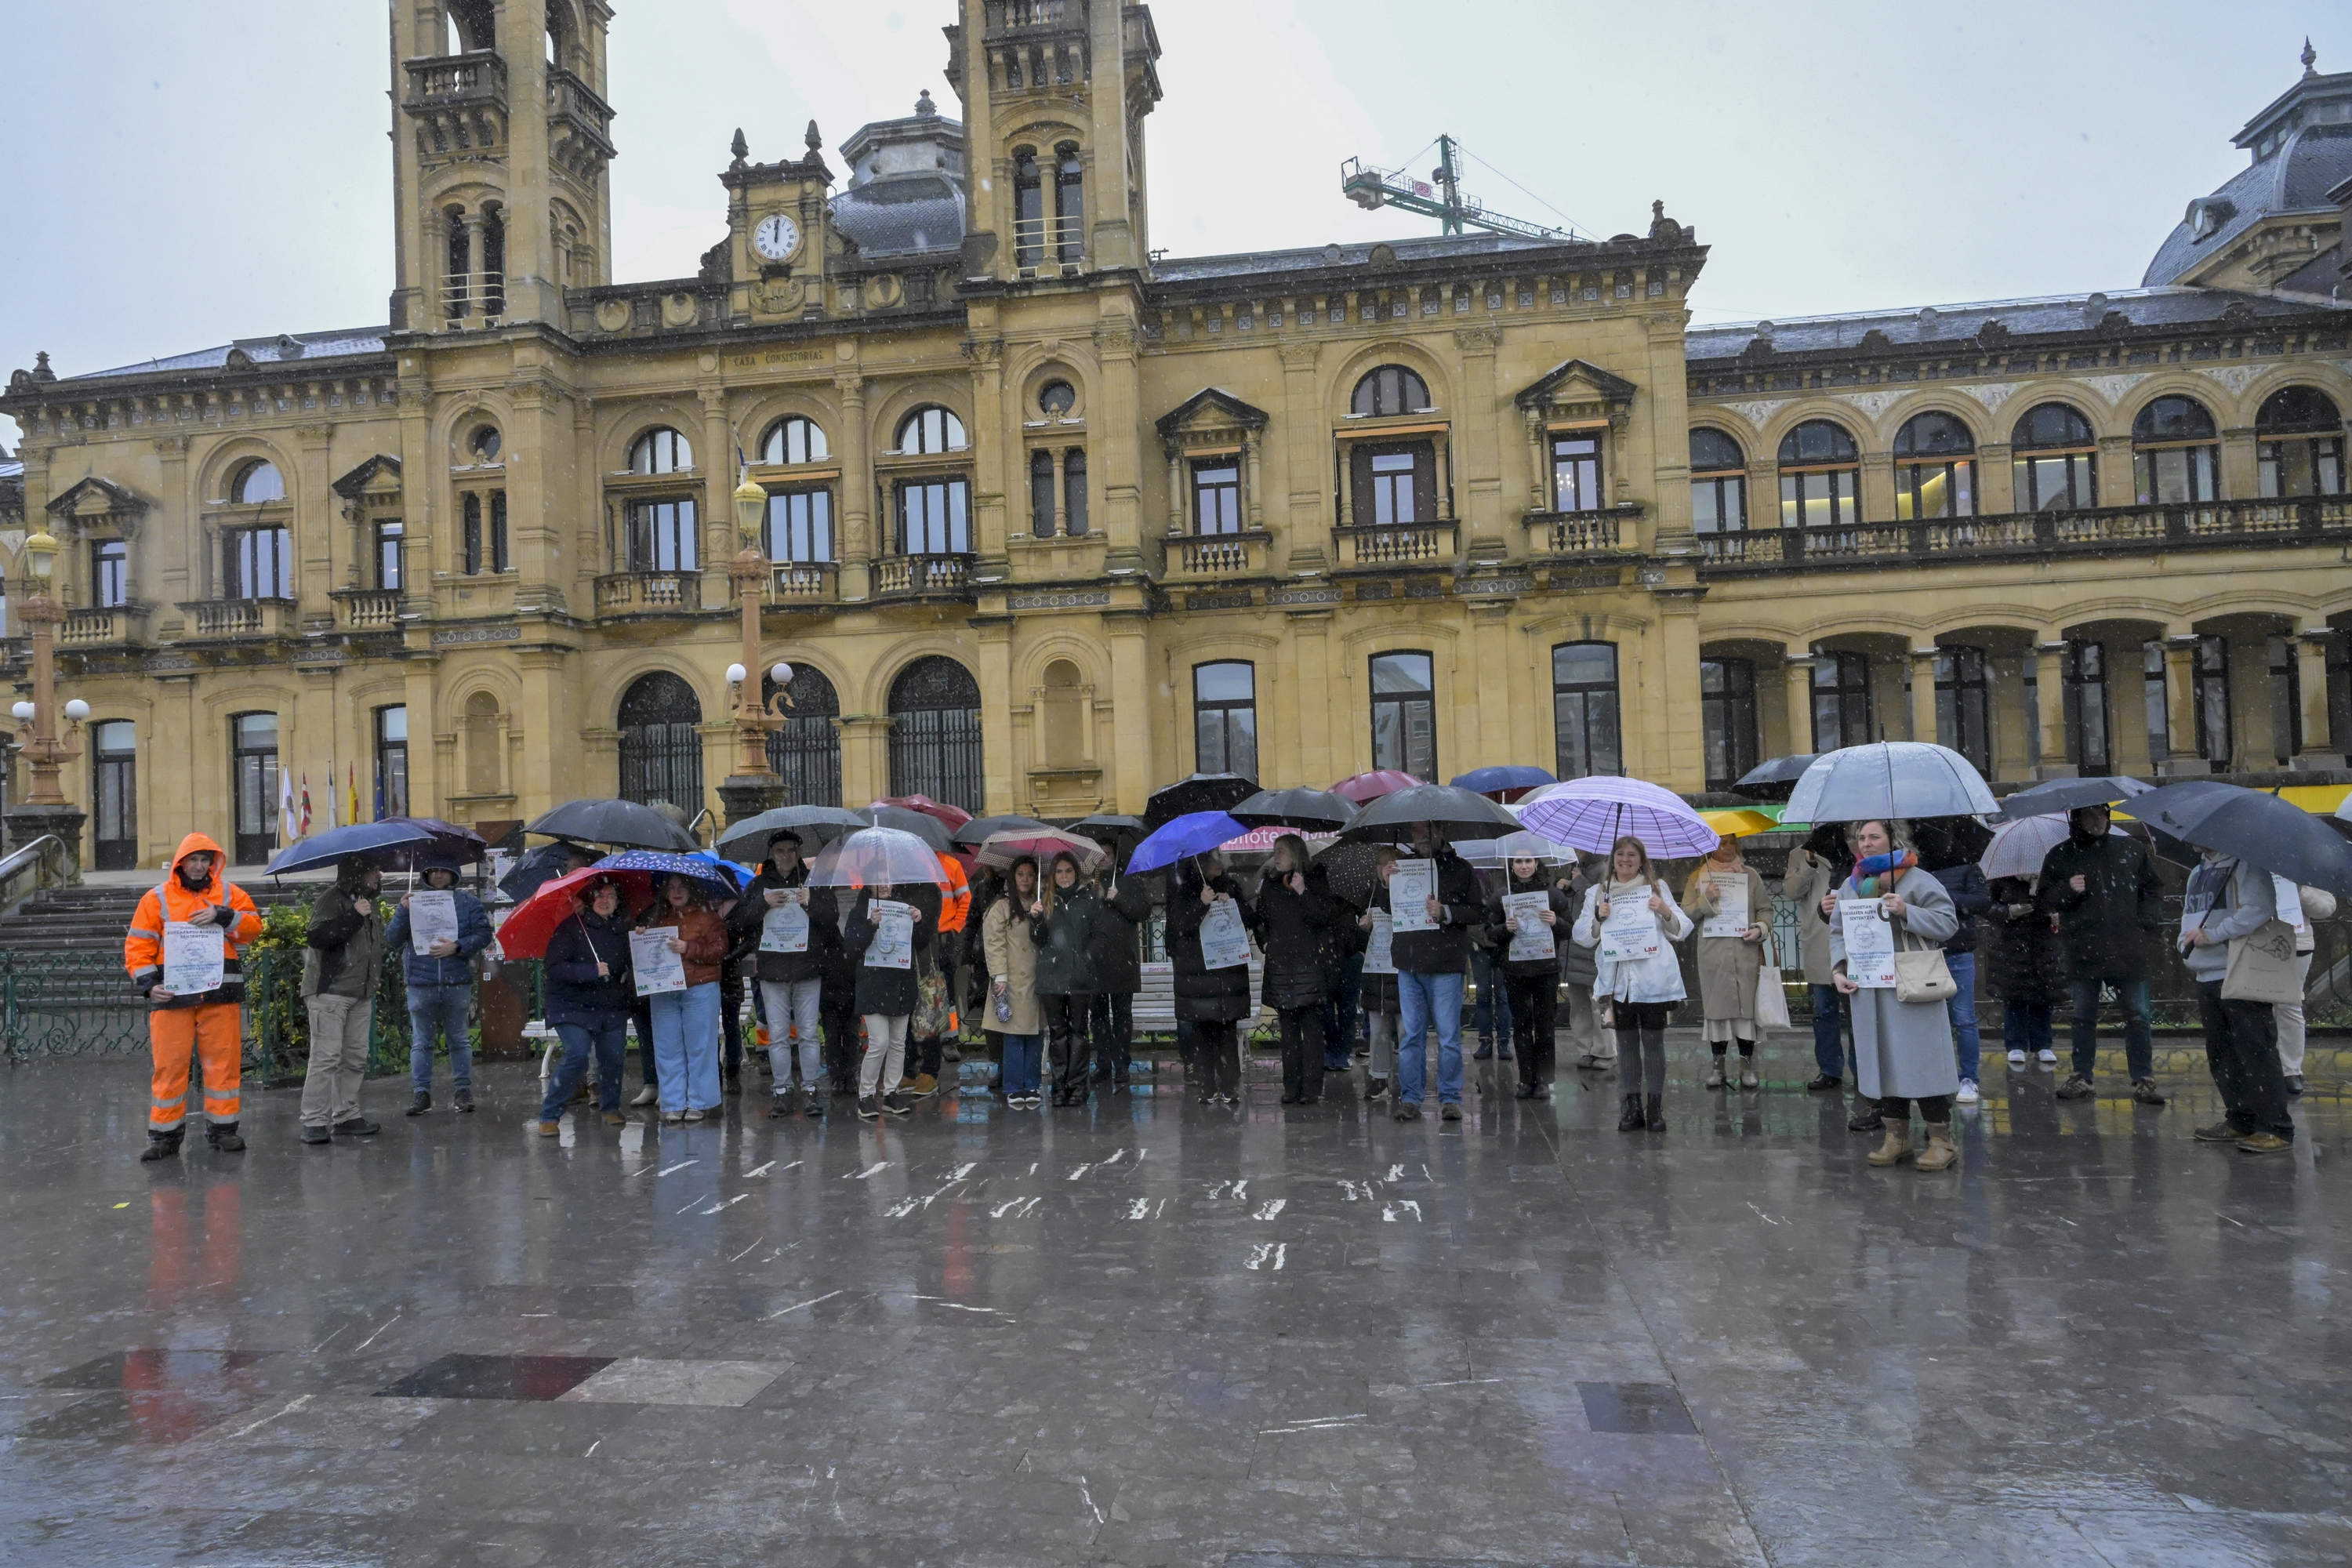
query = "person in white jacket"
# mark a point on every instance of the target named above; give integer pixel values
(1644, 981)
(2318, 904)
(2228, 899)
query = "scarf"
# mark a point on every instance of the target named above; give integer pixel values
(1876, 875)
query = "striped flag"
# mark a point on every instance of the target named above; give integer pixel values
(305, 805)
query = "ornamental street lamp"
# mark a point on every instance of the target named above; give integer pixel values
(45, 753)
(754, 788)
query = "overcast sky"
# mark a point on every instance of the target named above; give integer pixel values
(184, 174)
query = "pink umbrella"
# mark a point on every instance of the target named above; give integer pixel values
(1364, 788)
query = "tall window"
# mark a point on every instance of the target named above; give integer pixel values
(2055, 460)
(391, 762)
(1217, 496)
(1041, 494)
(1584, 709)
(1069, 205)
(1963, 704)
(2287, 700)
(660, 722)
(1074, 494)
(388, 533)
(1727, 713)
(484, 541)
(1392, 487)
(1935, 469)
(1576, 473)
(1225, 718)
(662, 536)
(1028, 209)
(800, 526)
(935, 739)
(114, 793)
(110, 574)
(256, 482)
(253, 784)
(2153, 693)
(660, 450)
(1394, 484)
(2299, 444)
(931, 429)
(1842, 706)
(1821, 477)
(794, 439)
(1404, 713)
(2339, 691)
(1719, 482)
(1391, 389)
(805, 749)
(2087, 732)
(934, 517)
(2215, 743)
(2176, 453)
(258, 563)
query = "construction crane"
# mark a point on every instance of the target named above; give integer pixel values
(1439, 196)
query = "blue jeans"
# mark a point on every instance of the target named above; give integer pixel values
(578, 1041)
(1963, 1010)
(439, 1011)
(1422, 1000)
(793, 1009)
(2025, 1026)
(1828, 1043)
(1023, 1054)
(686, 1044)
(2139, 1045)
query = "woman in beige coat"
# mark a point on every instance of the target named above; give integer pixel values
(1727, 964)
(1814, 871)
(1010, 1010)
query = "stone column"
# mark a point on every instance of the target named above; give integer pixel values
(2127, 737)
(1686, 758)
(2320, 749)
(718, 464)
(1797, 671)
(1996, 481)
(475, 298)
(2050, 697)
(855, 449)
(2180, 707)
(1878, 486)
(1923, 694)
(1307, 702)
(1490, 677)
(1002, 787)
(864, 758)
(1132, 770)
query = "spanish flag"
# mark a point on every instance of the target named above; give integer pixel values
(351, 783)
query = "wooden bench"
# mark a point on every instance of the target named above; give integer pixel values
(1155, 1005)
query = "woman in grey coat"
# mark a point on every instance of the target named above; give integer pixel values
(1903, 1051)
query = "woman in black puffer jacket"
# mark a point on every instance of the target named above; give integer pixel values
(1211, 1000)
(1064, 932)
(1293, 924)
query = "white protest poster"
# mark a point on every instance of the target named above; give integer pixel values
(2286, 900)
(658, 969)
(893, 946)
(194, 958)
(1379, 958)
(1631, 932)
(1869, 943)
(785, 929)
(432, 917)
(1730, 917)
(1533, 939)
(1224, 940)
(1409, 890)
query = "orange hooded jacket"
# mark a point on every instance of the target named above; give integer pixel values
(955, 894)
(142, 949)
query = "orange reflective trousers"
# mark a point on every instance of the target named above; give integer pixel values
(175, 1034)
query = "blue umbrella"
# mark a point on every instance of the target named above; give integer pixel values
(1510, 778)
(359, 838)
(736, 875)
(1194, 833)
(659, 863)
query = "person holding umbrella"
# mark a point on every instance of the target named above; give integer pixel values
(1211, 1000)
(1009, 1007)
(1119, 976)
(586, 968)
(1641, 987)
(1429, 977)
(1378, 996)
(1902, 1051)
(2108, 901)
(1064, 919)
(887, 996)
(440, 984)
(1293, 915)
(791, 930)
(1534, 982)
(685, 1023)
(2230, 900)
(342, 960)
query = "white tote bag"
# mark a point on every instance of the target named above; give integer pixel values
(1771, 1001)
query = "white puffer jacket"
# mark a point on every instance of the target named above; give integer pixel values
(1657, 978)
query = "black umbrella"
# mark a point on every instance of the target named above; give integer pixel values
(1309, 810)
(543, 865)
(1351, 871)
(974, 834)
(2056, 795)
(1202, 792)
(921, 824)
(1948, 841)
(1458, 812)
(2265, 831)
(818, 826)
(1773, 780)
(622, 823)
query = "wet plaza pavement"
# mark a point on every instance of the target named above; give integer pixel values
(1153, 1331)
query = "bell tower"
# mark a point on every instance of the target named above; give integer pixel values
(502, 143)
(1054, 95)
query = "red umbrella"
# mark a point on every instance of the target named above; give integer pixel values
(527, 931)
(1365, 788)
(955, 816)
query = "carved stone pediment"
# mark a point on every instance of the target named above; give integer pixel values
(1575, 383)
(378, 478)
(1211, 412)
(96, 505)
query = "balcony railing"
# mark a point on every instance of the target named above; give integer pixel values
(624, 593)
(1217, 554)
(479, 77)
(1603, 532)
(916, 576)
(101, 627)
(1049, 245)
(477, 297)
(579, 124)
(1005, 14)
(802, 583)
(2104, 530)
(1397, 544)
(369, 609)
(238, 618)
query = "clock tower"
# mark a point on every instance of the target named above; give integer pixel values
(780, 242)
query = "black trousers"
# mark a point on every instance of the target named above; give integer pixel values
(1535, 1005)
(641, 1012)
(2241, 1052)
(1302, 1051)
(1066, 1043)
(1216, 1057)
(1112, 1017)
(1934, 1108)
(841, 1050)
(730, 1016)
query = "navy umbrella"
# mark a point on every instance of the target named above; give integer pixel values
(2265, 831)
(2056, 795)
(1505, 783)
(622, 823)
(376, 839)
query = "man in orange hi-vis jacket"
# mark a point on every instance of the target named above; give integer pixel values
(205, 1022)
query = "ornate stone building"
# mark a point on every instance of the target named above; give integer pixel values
(1052, 519)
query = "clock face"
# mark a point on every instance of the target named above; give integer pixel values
(776, 237)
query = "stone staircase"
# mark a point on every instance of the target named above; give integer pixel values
(92, 919)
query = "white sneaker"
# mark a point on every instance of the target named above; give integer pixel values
(1968, 1095)
(2017, 1058)
(647, 1096)
(2049, 1059)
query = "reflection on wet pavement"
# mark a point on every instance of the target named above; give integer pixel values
(1151, 1331)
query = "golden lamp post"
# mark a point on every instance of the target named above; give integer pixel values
(45, 754)
(754, 788)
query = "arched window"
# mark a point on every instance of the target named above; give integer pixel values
(1061, 717)
(1390, 389)
(1225, 718)
(661, 742)
(2299, 444)
(935, 747)
(1404, 713)
(1074, 493)
(486, 743)
(1935, 470)
(1821, 477)
(805, 749)
(1963, 704)
(660, 450)
(2055, 460)
(1069, 205)
(1584, 709)
(931, 429)
(794, 439)
(1028, 209)
(1719, 482)
(470, 26)
(256, 482)
(2175, 453)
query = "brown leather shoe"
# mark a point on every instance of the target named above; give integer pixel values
(2264, 1142)
(550, 1129)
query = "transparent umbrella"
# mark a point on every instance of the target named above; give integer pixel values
(876, 857)
(1889, 779)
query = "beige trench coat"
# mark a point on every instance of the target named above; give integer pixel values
(1727, 965)
(1005, 940)
(1809, 876)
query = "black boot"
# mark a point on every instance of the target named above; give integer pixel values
(1632, 1121)
(1657, 1114)
(465, 1100)
(1866, 1117)
(223, 1139)
(162, 1145)
(422, 1103)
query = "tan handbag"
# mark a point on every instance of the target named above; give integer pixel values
(1922, 975)
(2262, 967)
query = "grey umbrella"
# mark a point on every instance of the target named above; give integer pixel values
(975, 833)
(1773, 780)
(2068, 794)
(619, 823)
(1460, 813)
(1308, 810)
(817, 825)
(1889, 779)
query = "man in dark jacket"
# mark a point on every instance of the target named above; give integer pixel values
(1972, 898)
(1429, 978)
(441, 989)
(588, 992)
(2108, 903)
(344, 956)
(1119, 976)
(792, 928)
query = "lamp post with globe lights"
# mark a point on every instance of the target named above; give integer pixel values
(44, 809)
(754, 786)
